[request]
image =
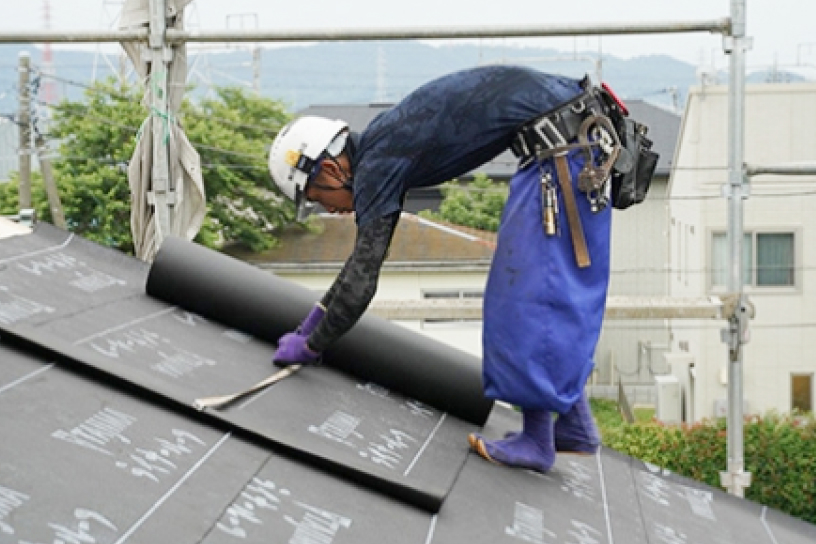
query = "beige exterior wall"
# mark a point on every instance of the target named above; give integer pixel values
(632, 350)
(410, 285)
(779, 129)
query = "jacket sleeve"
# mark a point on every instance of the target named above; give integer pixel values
(351, 293)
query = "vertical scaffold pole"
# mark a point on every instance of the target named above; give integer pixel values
(161, 196)
(734, 478)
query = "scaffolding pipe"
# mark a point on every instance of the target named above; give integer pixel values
(74, 36)
(781, 169)
(174, 36)
(721, 26)
(617, 307)
(162, 194)
(734, 478)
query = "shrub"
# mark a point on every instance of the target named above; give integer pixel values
(779, 453)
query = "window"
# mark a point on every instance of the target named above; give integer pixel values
(802, 392)
(774, 262)
(452, 294)
(767, 259)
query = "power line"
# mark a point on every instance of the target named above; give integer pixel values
(227, 152)
(125, 98)
(135, 130)
(124, 163)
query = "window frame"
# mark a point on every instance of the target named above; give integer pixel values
(794, 376)
(795, 286)
(450, 294)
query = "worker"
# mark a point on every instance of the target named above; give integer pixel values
(546, 290)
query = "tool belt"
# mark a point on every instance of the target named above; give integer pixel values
(559, 127)
(619, 162)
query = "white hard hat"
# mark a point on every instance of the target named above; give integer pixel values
(296, 152)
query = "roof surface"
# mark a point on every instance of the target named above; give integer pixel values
(101, 442)
(416, 241)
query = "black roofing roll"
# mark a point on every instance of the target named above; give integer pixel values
(259, 303)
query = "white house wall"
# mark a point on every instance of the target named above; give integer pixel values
(632, 350)
(779, 128)
(410, 285)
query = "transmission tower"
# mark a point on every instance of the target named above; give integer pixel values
(48, 84)
(199, 70)
(111, 9)
(381, 93)
(248, 20)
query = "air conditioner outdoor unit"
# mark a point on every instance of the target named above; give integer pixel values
(668, 407)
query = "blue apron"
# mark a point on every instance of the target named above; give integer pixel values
(543, 314)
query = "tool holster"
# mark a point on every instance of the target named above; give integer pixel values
(619, 163)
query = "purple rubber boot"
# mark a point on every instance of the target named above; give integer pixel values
(575, 431)
(533, 448)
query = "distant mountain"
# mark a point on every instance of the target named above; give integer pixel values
(365, 72)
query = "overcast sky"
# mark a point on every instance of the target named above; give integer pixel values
(782, 30)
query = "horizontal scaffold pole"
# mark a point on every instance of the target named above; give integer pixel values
(718, 26)
(74, 36)
(617, 307)
(792, 169)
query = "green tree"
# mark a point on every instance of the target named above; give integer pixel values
(98, 134)
(232, 133)
(478, 204)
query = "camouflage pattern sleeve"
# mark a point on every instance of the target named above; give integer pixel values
(355, 286)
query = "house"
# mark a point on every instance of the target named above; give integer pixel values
(426, 260)
(779, 261)
(9, 144)
(631, 351)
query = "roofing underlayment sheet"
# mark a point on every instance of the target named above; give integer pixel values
(86, 461)
(83, 462)
(259, 303)
(87, 304)
(100, 443)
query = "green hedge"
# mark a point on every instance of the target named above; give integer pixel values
(780, 454)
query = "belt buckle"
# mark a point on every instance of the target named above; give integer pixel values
(546, 123)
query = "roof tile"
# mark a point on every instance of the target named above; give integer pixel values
(416, 240)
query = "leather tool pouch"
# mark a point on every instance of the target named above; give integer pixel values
(633, 171)
(635, 166)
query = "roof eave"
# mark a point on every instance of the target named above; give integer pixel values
(481, 265)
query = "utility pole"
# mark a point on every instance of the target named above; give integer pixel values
(24, 124)
(735, 479)
(54, 201)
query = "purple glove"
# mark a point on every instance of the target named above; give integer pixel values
(292, 350)
(311, 321)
